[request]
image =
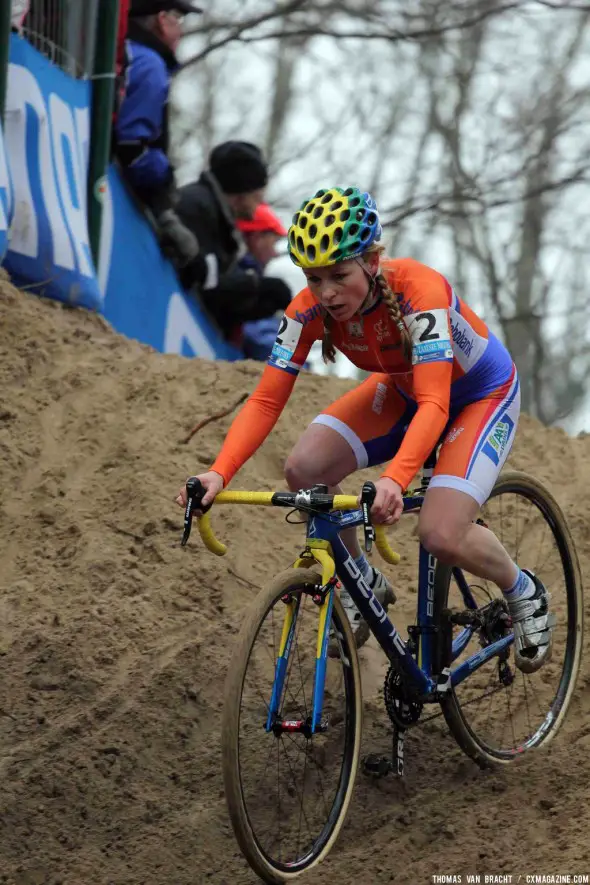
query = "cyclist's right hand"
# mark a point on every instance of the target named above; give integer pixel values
(212, 481)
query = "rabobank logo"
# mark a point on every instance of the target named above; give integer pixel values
(306, 316)
(463, 341)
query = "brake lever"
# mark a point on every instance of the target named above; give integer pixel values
(368, 494)
(195, 492)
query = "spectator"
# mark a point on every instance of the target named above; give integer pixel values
(261, 233)
(141, 129)
(230, 189)
(19, 10)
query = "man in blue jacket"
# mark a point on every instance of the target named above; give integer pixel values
(141, 129)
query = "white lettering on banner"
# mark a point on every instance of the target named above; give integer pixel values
(62, 141)
(181, 326)
(25, 235)
(5, 208)
(63, 132)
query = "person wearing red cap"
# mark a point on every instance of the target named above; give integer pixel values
(261, 233)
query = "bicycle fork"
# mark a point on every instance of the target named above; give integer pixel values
(323, 597)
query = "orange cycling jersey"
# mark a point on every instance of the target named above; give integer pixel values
(456, 360)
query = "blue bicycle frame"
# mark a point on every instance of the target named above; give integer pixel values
(417, 673)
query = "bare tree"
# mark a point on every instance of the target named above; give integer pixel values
(508, 251)
(469, 121)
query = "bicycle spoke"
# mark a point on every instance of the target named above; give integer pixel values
(519, 518)
(306, 769)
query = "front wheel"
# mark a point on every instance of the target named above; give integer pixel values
(288, 790)
(500, 713)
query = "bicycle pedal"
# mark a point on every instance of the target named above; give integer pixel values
(377, 766)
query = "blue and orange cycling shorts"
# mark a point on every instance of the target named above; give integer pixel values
(374, 417)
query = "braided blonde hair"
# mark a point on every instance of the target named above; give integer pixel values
(392, 304)
(328, 349)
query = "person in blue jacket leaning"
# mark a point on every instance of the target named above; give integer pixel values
(141, 128)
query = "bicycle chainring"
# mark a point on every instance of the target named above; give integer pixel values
(403, 710)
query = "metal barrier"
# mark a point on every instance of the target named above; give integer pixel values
(5, 18)
(80, 37)
(103, 100)
(65, 32)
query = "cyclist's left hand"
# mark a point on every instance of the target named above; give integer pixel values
(389, 503)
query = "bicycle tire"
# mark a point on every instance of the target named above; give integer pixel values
(267, 868)
(468, 740)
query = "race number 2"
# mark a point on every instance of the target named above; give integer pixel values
(431, 340)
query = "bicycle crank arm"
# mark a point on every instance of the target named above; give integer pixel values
(380, 766)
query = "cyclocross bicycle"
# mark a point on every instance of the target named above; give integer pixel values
(291, 726)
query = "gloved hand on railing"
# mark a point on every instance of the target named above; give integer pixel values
(177, 242)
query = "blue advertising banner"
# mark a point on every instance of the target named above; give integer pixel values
(142, 296)
(6, 199)
(46, 131)
(47, 141)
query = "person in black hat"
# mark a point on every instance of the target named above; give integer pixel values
(230, 189)
(141, 127)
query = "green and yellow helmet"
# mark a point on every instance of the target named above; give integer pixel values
(334, 225)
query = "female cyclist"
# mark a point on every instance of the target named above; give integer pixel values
(438, 374)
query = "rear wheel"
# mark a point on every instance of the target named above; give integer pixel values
(499, 713)
(288, 791)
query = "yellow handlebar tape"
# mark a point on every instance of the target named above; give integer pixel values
(382, 545)
(209, 539)
(264, 498)
(346, 502)
(341, 502)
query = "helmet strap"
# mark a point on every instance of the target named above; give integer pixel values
(372, 285)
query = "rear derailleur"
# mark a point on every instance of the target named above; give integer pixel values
(492, 622)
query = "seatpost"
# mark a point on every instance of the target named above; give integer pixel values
(428, 469)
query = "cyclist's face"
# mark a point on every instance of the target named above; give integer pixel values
(341, 289)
